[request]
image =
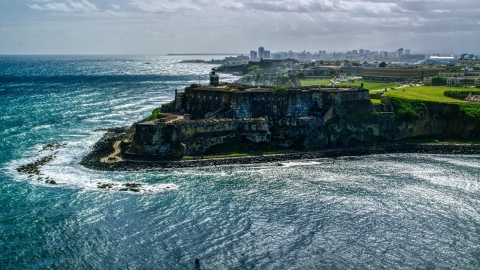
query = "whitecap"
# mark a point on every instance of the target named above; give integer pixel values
(298, 163)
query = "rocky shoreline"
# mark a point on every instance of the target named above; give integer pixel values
(104, 147)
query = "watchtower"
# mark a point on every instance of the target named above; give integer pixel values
(214, 78)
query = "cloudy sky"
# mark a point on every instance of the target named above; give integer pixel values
(229, 26)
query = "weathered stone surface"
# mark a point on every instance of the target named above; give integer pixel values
(178, 150)
(192, 137)
(293, 118)
(302, 118)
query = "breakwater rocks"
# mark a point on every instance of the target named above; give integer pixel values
(104, 148)
(133, 187)
(33, 168)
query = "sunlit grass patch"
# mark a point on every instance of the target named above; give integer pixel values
(425, 93)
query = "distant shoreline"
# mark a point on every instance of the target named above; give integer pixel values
(180, 54)
(104, 147)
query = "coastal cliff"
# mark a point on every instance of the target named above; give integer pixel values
(232, 117)
(432, 119)
(213, 119)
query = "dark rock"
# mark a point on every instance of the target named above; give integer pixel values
(105, 185)
(132, 185)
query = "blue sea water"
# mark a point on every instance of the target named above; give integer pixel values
(397, 211)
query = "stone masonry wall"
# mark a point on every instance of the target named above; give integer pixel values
(154, 138)
(215, 116)
(200, 103)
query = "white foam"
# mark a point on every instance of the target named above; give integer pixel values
(66, 171)
(470, 162)
(299, 163)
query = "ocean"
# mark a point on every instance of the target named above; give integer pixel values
(393, 211)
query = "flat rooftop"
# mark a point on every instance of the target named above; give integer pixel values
(249, 88)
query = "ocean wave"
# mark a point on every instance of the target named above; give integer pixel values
(76, 79)
(65, 172)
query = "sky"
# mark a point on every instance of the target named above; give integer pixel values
(237, 26)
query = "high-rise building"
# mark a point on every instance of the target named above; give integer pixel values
(266, 54)
(253, 55)
(400, 52)
(261, 52)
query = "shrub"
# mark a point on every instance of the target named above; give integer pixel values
(407, 109)
(437, 80)
(281, 81)
(472, 110)
(154, 114)
(462, 95)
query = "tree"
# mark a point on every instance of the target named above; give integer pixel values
(438, 80)
(383, 64)
(253, 68)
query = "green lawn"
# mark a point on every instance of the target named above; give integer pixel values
(311, 81)
(426, 93)
(367, 85)
(376, 101)
(376, 86)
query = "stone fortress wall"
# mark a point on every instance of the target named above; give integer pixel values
(260, 102)
(209, 116)
(194, 136)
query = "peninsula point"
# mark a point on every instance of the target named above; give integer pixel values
(232, 120)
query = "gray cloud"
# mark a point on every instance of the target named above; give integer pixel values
(164, 7)
(164, 26)
(68, 6)
(115, 7)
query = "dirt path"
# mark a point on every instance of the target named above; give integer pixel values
(112, 158)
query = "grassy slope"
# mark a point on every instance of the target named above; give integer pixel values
(376, 86)
(367, 85)
(154, 114)
(310, 81)
(425, 93)
(435, 94)
(376, 101)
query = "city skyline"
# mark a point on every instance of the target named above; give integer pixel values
(204, 26)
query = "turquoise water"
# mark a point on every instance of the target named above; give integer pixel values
(408, 211)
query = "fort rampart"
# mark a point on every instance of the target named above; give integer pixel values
(202, 117)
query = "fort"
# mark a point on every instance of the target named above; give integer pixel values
(219, 116)
(225, 118)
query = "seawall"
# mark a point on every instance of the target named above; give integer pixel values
(152, 163)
